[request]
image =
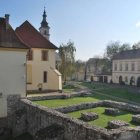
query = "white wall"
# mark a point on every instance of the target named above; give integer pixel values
(129, 73)
(12, 76)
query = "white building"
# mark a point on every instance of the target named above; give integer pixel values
(126, 67)
(12, 65)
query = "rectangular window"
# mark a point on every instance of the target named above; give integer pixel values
(44, 55)
(126, 67)
(120, 67)
(30, 55)
(29, 74)
(115, 67)
(133, 67)
(45, 77)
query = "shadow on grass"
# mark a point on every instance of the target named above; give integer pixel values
(134, 123)
(116, 115)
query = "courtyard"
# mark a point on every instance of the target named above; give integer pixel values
(99, 92)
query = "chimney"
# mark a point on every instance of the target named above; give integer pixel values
(7, 18)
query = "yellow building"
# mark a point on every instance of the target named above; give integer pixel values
(12, 65)
(126, 67)
(41, 64)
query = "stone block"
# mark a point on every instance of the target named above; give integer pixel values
(116, 124)
(136, 119)
(89, 116)
(112, 111)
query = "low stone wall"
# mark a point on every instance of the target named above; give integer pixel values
(3, 122)
(104, 103)
(122, 106)
(79, 107)
(60, 96)
(42, 123)
(48, 124)
(42, 118)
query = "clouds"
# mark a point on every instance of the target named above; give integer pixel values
(138, 24)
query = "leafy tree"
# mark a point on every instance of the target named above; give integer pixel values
(67, 55)
(79, 66)
(115, 47)
(136, 46)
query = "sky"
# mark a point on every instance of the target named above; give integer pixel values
(90, 24)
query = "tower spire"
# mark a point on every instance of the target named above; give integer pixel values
(44, 29)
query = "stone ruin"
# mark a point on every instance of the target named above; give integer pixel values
(112, 111)
(136, 119)
(41, 122)
(116, 124)
(89, 116)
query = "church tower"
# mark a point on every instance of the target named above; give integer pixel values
(44, 29)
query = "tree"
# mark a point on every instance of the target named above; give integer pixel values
(67, 55)
(136, 46)
(115, 47)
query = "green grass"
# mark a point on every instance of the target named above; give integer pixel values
(65, 102)
(69, 88)
(106, 90)
(123, 93)
(103, 118)
(95, 85)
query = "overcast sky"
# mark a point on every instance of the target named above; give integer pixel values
(90, 24)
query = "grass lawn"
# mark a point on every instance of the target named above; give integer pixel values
(65, 102)
(123, 93)
(69, 88)
(103, 118)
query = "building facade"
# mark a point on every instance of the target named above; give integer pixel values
(12, 65)
(126, 67)
(41, 63)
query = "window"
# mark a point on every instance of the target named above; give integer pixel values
(120, 67)
(126, 67)
(45, 77)
(30, 55)
(44, 55)
(115, 67)
(133, 67)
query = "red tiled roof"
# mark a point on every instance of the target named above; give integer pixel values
(8, 37)
(32, 37)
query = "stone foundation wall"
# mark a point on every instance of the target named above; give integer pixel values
(122, 106)
(60, 96)
(41, 118)
(3, 122)
(48, 124)
(104, 103)
(79, 107)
